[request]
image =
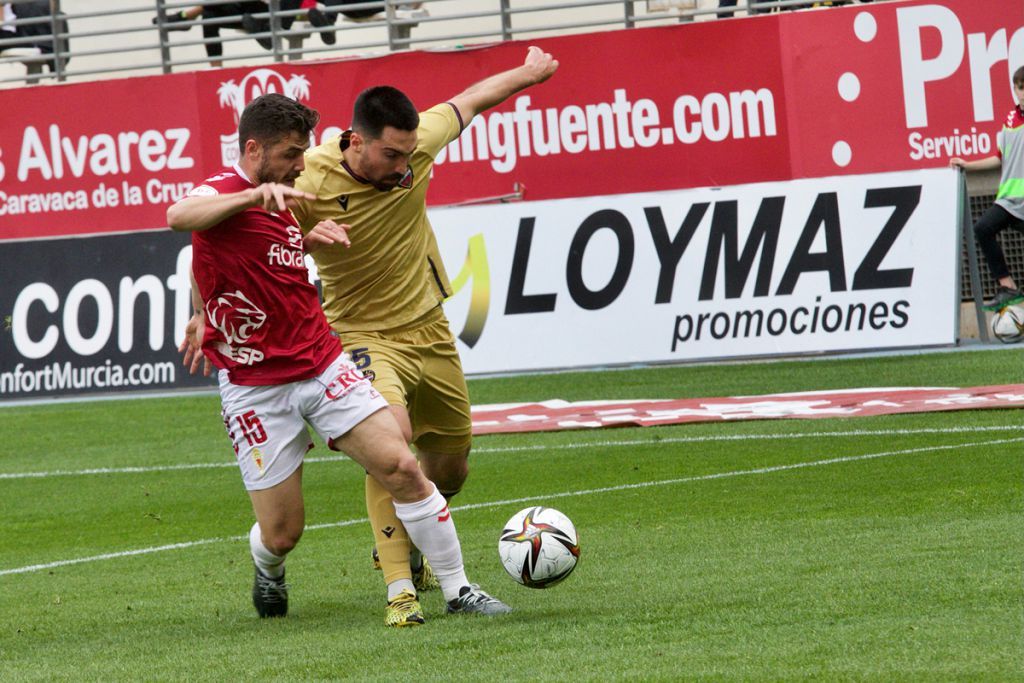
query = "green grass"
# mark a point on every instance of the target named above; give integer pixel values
(900, 567)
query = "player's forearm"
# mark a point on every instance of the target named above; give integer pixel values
(538, 67)
(200, 213)
(492, 91)
(197, 298)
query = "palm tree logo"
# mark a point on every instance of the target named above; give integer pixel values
(235, 96)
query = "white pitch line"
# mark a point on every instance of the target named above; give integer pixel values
(162, 548)
(112, 556)
(537, 447)
(753, 437)
(527, 499)
(137, 470)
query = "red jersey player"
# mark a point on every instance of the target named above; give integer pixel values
(258, 320)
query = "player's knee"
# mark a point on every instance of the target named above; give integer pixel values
(448, 471)
(405, 481)
(283, 541)
(452, 477)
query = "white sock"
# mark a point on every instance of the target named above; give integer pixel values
(432, 530)
(399, 585)
(269, 564)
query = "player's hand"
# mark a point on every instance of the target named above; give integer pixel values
(192, 346)
(541, 65)
(326, 233)
(957, 162)
(277, 197)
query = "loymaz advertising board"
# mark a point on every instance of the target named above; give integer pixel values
(807, 266)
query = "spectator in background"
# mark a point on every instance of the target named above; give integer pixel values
(1008, 209)
(37, 34)
(6, 20)
(320, 20)
(364, 13)
(323, 15)
(726, 3)
(174, 19)
(316, 16)
(237, 15)
(240, 15)
(825, 3)
(246, 16)
(750, 6)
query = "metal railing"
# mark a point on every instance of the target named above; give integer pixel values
(86, 39)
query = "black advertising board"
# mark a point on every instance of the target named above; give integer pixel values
(101, 314)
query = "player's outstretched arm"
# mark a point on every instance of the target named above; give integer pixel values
(202, 212)
(538, 67)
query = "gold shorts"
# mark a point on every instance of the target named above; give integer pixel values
(418, 367)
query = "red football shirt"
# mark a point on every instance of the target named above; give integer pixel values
(264, 324)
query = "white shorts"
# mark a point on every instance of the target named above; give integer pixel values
(267, 424)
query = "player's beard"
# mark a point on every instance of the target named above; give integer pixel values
(264, 174)
(387, 184)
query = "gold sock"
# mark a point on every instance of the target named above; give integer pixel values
(388, 533)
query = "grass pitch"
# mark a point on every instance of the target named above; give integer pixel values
(883, 548)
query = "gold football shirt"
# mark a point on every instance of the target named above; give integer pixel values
(392, 274)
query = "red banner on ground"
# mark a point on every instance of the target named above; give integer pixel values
(559, 415)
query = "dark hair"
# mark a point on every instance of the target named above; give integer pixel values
(383, 106)
(272, 117)
(1018, 77)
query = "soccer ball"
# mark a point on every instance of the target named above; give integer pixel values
(539, 547)
(1008, 324)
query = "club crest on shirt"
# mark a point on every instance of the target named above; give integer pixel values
(234, 316)
(406, 182)
(343, 202)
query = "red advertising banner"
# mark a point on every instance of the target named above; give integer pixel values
(903, 85)
(558, 415)
(96, 157)
(854, 90)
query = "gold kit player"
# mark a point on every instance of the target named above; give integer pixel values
(383, 295)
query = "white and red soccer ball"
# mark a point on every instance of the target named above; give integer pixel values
(539, 547)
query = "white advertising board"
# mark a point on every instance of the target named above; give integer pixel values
(805, 266)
